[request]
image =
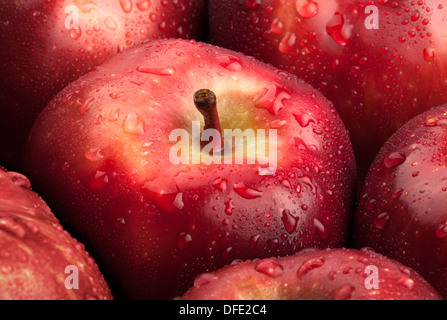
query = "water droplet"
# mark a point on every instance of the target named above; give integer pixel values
(277, 124)
(396, 194)
(393, 159)
(344, 292)
(126, 5)
(167, 71)
(254, 241)
(75, 34)
(116, 95)
(19, 179)
(114, 115)
(277, 26)
(246, 192)
(381, 220)
(290, 222)
(11, 226)
(272, 98)
(110, 23)
(306, 8)
(93, 154)
(287, 43)
(133, 124)
(321, 230)
(252, 4)
(229, 62)
(269, 267)
(85, 106)
(406, 282)
(203, 279)
(6, 268)
(165, 193)
(143, 5)
(220, 184)
(415, 15)
(304, 119)
(98, 180)
(441, 231)
(309, 265)
(229, 207)
(183, 240)
(429, 54)
(339, 30)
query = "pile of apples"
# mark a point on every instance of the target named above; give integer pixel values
(93, 207)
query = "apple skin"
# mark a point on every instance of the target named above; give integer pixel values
(152, 225)
(330, 274)
(40, 56)
(378, 79)
(35, 249)
(401, 211)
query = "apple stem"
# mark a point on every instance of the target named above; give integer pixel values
(205, 101)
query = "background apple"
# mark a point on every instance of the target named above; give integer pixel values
(35, 250)
(42, 51)
(100, 152)
(377, 78)
(331, 274)
(401, 212)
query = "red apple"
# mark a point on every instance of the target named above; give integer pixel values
(401, 212)
(377, 78)
(331, 274)
(39, 260)
(46, 44)
(100, 153)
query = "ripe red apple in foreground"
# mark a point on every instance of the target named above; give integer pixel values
(331, 274)
(39, 260)
(377, 78)
(401, 212)
(48, 44)
(107, 166)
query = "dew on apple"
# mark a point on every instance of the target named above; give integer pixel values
(441, 231)
(12, 226)
(407, 282)
(126, 5)
(321, 230)
(110, 23)
(164, 71)
(339, 30)
(394, 159)
(98, 180)
(19, 179)
(308, 266)
(229, 206)
(134, 124)
(381, 220)
(290, 221)
(306, 8)
(143, 5)
(246, 192)
(277, 26)
(75, 34)
(269, 267)
(184, 239)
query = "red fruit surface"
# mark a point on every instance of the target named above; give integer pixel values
(154, 225)
(331, 274)
(35, 250)
(42, 51)
(401, 212)
(378, 79)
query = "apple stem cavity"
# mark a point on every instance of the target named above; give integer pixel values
(205, 102)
